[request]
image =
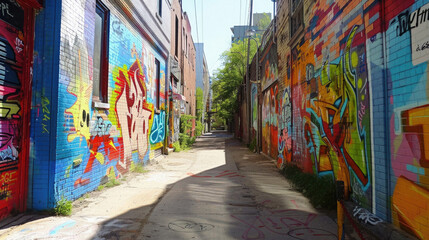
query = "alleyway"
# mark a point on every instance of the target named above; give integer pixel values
(217, 190)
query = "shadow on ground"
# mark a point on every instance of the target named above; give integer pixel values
(226, 202)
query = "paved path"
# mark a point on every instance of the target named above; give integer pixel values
(217, 190)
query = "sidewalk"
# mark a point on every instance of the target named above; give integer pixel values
(217, 190)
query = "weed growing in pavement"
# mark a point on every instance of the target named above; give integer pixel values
(319, 190)
(139, 169)
(176, 146)
(252, 145)
(63, 208)
(100, 187)
(112, 182)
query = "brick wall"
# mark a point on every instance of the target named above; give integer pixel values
(407, 62)
(96, 144)
(325, 85)
(356, 76)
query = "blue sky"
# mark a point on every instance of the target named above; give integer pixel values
(215, 18)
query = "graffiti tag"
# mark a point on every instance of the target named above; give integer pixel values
(46, 113)
(157, 132)
(365, 216)
(189, 226)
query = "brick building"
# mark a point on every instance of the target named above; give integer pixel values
(90, 106)
(350, 101)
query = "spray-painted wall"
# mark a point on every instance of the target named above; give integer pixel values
(354, 102)
(98, 144)
(407, 64)
(325, 101)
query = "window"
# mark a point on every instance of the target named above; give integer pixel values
(160, 8)
(100, 61)
(296, 17)
(186, 45)
(158, 83)
(176, 38)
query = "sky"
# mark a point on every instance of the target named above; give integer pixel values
(215, 19)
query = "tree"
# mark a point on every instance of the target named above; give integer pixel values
(200, 103)
(229, 77)
(264, 22)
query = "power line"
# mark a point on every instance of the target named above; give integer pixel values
(196, 19)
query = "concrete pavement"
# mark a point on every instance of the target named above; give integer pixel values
(217, 190)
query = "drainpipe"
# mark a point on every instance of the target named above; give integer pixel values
(386, 115)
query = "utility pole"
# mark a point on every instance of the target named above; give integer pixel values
(249, 119)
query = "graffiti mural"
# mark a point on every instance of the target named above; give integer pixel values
(104, 143)
(270, 113)
(13, 92)
(285, 130)
(409, 108)
(325, 120)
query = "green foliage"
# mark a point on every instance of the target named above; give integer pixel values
(264, 23)
(229, 77)
(176, 146)
(186, 123)
(252, 145)
(100, 187)
(63, 208)
(200, 103)
(112, 182)
(138, 168)
(198, 128)
(319, 190)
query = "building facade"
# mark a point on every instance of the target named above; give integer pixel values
(89, 104)
(202, 77)
(350, 101)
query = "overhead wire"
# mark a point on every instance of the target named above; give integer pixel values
(196, 19)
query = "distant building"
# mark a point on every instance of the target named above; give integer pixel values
(202, 75)
(239, 31)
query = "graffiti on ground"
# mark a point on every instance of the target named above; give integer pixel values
(288, 222)
(189, 226)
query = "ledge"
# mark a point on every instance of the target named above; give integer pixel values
(100, 105)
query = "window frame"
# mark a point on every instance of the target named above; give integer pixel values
(158, 85)
(159, 8)
(104, 13)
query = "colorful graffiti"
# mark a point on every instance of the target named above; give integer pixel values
(409, 108)
(270, 113)
(13, 86)
(325, 109)
(108, 141)
(285, 130)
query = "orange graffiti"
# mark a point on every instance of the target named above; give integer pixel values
(411, 207)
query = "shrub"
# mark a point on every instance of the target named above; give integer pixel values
(176, 146)
(63, 208)
(198, 128)
(138, 168)
(319, 190)
(252, 145)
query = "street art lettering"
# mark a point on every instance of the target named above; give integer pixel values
(285, 127)
(8, 184)
(270, 113)
(46, 114)
(130, 84)
(365, 216)
(335, 122)
(158, 132)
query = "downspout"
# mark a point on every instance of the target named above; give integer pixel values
(54, 100)
(386, 114)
